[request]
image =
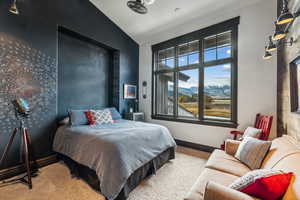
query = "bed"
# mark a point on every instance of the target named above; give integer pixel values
(114, 158)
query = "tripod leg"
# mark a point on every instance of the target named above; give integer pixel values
(11, 139)
(31, 150)
(27, 161)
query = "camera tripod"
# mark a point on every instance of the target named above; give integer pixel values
(27, 154)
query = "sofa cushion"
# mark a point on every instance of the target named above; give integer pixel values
(198, 189)
(280, 148)
(231, 146)
(284, 155)
(219, 160)
(215, 191)
(223, 155)
(291, 164)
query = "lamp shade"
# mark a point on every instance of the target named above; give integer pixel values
(267, 55)
(271, 46)
(13, 8)
(285, 18)
(279, 34)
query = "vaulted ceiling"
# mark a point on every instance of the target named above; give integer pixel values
(162, 15)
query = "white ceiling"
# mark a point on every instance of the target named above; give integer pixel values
(161, 15)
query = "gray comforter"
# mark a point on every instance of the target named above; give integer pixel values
(114, 151)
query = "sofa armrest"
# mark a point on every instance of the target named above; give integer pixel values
(215, 191)
(231, 146)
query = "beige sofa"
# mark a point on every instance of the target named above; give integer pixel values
(222, 169)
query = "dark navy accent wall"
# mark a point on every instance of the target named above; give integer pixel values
(36, 29)
(85, 73)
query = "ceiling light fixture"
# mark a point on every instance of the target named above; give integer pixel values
(13, 8)
(139, 6)
(279, 34)
(282, 25)
(271, 46)
(285, 16)
(267, 55)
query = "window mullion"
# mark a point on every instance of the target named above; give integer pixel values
(176, 84)
(156, 60)
(217, 56)
(201, 81)
(234, 74)
(218, 62)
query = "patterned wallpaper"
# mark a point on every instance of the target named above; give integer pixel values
(28, 73)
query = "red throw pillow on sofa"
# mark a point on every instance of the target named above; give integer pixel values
(263, 183)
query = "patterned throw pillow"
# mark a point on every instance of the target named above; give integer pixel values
(263, 183)
(252, 151)
(99, 116)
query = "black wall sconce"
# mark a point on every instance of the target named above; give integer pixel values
(144, 89)
(286, 16)
(13, 8)
(282, 25)
(267, 55)
(273, 47)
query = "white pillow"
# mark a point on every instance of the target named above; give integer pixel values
(252, 132)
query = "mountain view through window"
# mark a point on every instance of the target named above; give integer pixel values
(195, 80)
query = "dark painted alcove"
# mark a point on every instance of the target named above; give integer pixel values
(35, 30)
(87, 71)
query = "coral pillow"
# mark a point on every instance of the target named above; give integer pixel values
(90, 117)
(263, 183)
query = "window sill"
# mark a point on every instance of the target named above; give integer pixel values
(206, 122)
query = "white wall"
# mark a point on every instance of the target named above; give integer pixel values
(256, 77)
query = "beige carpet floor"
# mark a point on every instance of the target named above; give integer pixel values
(171, 182)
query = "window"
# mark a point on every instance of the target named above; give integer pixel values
(195, 77)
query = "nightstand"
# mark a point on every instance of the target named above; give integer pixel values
(135, 116)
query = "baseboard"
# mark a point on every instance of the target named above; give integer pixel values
(195, 146)
(19, 169)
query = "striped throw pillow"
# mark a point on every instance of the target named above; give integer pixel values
(252, 151)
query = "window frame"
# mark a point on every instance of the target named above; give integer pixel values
(229, 25)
